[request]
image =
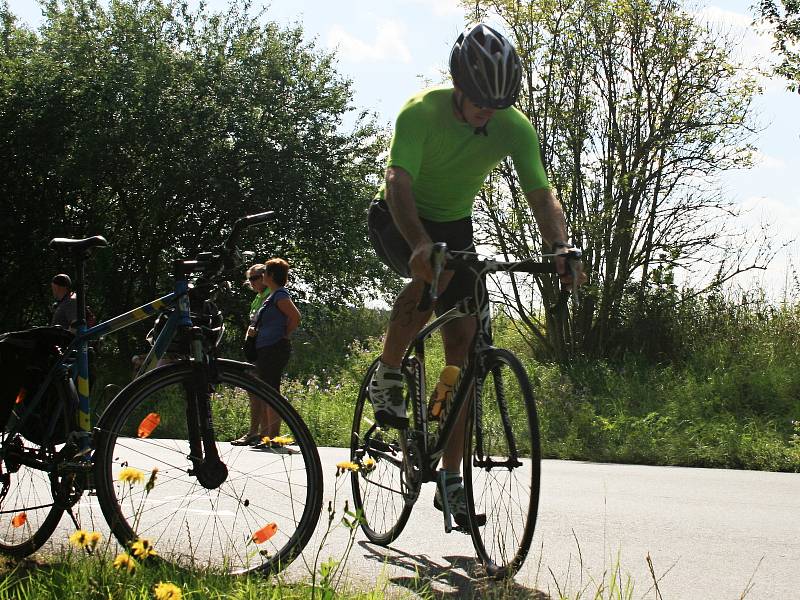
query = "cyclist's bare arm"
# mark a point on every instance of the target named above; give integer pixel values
(549, 217)
(400, 200)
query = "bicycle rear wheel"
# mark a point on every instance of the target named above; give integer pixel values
(502, 464)
(258, 519)
(380, 491)
(30, 506)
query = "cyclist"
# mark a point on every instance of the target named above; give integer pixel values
(446, 142)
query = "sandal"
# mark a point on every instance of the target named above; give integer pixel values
(248, 439)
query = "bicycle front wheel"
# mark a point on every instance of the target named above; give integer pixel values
(258, 518)
(381, 493)
(502, 464)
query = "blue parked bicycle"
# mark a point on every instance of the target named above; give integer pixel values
(159, 458)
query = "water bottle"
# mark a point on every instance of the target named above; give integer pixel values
(443, 394)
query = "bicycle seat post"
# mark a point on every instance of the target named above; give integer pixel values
(80, 257)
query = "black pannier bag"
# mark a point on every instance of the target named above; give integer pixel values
(25, 359)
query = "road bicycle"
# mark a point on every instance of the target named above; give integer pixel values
(502, 453)
(158, 462)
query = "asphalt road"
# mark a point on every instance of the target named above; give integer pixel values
(710, 534)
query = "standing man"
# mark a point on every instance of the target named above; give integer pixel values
(65, 308)
(446, 142)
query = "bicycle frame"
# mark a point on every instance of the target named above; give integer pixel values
(432, 450)
(75, 357)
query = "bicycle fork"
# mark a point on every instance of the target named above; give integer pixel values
(209, 469)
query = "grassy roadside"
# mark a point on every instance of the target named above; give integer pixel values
(92, 576)
(736, 411)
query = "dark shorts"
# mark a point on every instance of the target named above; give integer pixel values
(272, 360)
(393, 250)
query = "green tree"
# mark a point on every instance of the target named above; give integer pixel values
(158, 126)
(638, 108)
(784, 17)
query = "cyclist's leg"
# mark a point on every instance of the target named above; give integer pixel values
(393, 250)
(456, 336)
(386, 385)
(406, 321)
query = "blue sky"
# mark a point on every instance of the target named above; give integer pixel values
(390, 48)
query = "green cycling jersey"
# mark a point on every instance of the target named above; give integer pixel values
(448, 162)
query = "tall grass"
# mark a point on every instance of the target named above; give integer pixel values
(710, 382)
(727, 394)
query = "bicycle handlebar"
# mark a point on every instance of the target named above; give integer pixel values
(225, 256)
(441, 259)
(244, 223)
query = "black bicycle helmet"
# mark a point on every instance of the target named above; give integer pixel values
(485, 66)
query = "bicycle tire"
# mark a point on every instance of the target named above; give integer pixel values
(377, 491)
(506, 491)
(29, 510)
(279, 487)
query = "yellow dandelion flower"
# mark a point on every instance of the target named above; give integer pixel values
(94, 539)
(131, 475)
(80, 538)
(282, 440)
(142, 549)
(346, 466)
(125, 561)
(167, 591)
(266, 439)
(368, 464)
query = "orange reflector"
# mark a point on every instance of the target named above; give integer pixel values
(263, 534)
(148, 424)
(19, 520)
(21, 396)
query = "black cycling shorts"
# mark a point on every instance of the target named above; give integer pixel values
(393, 250)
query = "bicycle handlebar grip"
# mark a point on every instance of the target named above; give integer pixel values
(251, 220)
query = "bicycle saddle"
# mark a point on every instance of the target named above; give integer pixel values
(96, 241)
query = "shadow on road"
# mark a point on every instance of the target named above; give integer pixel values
(454, 577)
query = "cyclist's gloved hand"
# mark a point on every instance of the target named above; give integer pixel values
(569, 273)
(420, 262)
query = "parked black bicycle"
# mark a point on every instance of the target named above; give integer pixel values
(159, 457)
(501, 445)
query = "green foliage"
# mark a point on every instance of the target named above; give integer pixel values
(158, 126)
(784, 17)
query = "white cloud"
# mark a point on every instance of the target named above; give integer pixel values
(389, 44)
(766, 161)
(754, 41)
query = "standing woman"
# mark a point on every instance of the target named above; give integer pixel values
(258, 416)
(278, 318)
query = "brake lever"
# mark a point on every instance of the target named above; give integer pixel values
(430, 293)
